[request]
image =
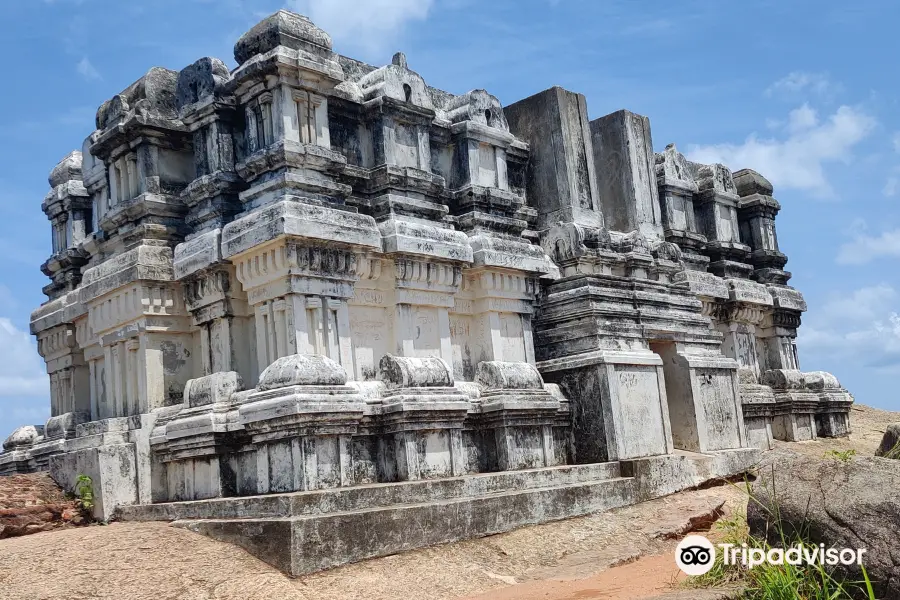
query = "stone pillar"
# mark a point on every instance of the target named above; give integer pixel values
(717, 202)
(68, 371)
(502, 306)
(626, 173)
(132, 367)
(298, 295)
(778, 332)
(424, 295)
(219, 309)
(95, 357)
(563, 172)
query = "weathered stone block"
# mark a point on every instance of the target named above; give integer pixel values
(64, 426)
(618, 402)
(408, 372)
(626, 173)
(555, 124)
(212, 389)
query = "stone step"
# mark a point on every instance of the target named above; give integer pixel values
(304, 544)
(368, 496)
(304, 532)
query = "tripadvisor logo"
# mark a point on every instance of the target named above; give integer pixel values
(696, 555)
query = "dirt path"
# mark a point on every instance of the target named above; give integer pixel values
(643, 578)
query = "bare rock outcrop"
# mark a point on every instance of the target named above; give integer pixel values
(841, 503)
(890, 443)
(33, 503)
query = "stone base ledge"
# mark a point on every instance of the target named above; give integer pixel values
(305, 532)
(601, 357)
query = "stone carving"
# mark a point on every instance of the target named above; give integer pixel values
(23, 437)
(495, 375)
(212, 389)
(312, 273)
(406, 372)
(299, 369)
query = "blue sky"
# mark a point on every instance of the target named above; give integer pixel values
(806, 92)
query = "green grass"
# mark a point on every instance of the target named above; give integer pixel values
(775, 582)
(841, 455)
(893, 452)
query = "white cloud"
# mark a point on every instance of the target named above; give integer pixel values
(369, 25)
(864, 248)
(895, 140)
(87, 70)
(799, 82)
(863, 304)
(862, 327)
(24, 384)
(798, 159)
(21, 368)
(802, 118)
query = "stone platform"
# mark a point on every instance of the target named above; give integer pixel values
(304, 532)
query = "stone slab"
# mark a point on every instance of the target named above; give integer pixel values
(305, 532)
(367, 496)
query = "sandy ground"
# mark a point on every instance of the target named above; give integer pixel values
(622, 554)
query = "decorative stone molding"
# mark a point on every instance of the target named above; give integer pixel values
(408, 372)
(494, 375)
(833, 411)
(795, 405)
(64, 426)
(212, 389)
(301, 369)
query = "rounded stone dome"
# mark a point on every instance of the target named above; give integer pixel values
(750, 182)
(284, 28)
(23, 437)
(67, 169)
(301, 369)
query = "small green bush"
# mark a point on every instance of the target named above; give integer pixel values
(841, 455)
(84, 493)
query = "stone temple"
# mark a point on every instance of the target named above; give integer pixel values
(325, 311)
